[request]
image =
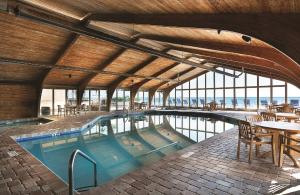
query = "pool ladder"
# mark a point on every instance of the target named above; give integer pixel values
(71, 170)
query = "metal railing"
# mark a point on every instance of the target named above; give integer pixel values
(71, 168)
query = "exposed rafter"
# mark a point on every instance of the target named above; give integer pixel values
(174, 77)
(269, 54)
(6, 61)
(135, 70)
(226, 60)
(39, 17)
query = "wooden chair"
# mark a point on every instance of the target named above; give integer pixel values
(248, 136)
(288, 142)
(254, 118)
(268, 116)
(60, 110)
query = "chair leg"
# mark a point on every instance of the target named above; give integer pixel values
(280, 161)
(238, 150)
(257, 150)
(250, 152)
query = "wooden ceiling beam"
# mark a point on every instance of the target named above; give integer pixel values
(46, 17)
(134, 70)
(264, 53)
(174, 77)
(138, 85)
(226, 60)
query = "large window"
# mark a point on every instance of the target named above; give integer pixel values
(247, 91)
(52, 98)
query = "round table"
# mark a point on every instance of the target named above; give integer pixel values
(278, 128)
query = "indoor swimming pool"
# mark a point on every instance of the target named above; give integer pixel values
(122, 144)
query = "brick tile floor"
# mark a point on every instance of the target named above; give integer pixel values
(209, 167)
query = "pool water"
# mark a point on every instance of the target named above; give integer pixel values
(121, 145)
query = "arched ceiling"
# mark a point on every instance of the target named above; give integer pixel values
(207, 32)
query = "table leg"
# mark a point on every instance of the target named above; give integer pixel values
(276, 144)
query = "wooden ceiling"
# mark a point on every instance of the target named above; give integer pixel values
(207, 31)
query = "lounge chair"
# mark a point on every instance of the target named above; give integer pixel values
(294, 103)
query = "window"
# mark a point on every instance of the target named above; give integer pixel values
(59, 99)
(264, 97)
(47, 100)
(251, 100)
(293, 93)
(72, 96)
(86, 97)
(210, 80)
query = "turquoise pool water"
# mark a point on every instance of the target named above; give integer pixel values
(121, 145)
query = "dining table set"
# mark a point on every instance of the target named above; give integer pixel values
(280, 128)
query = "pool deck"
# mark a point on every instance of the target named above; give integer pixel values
(209, 167)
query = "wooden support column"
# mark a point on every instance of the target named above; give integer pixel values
(165, 96)
(133, 92)
(151, 95)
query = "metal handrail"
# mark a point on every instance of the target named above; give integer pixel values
(71, 167)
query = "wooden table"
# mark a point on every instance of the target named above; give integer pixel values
(289, 116)
(71, 108)
(277, 128)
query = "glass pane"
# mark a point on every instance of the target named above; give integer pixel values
(278, 95)
(127, 99)
(240, 81)
(46, 100)
(185, 98)
(251, 101)
(146, 96)
(264, 97)
(86, 97)
(113, 105)
(59, 99)
(228, 98)
(201, 98)
(210, 80)
(219, 80)
(228, 79)
(251, 80)
(94, 97)
(178, 98)
(240, 98)
(209, 95)
(71, 97)
(172, 98)
(264, 81)
(186, 85)
(293, 93)
(278, 82)
(201, 81)
(120, 99)
(220, 96)
(193, 83)
(193, 98)
(103, 99)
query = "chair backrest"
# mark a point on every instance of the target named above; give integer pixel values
(58, 107)
(264, 102)
(254, 118)
(274, 102)
(247, 101)
(245, 130)
(294, 102)
(287, 108)
(202, 101)
(234, 101)
(268, 116)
